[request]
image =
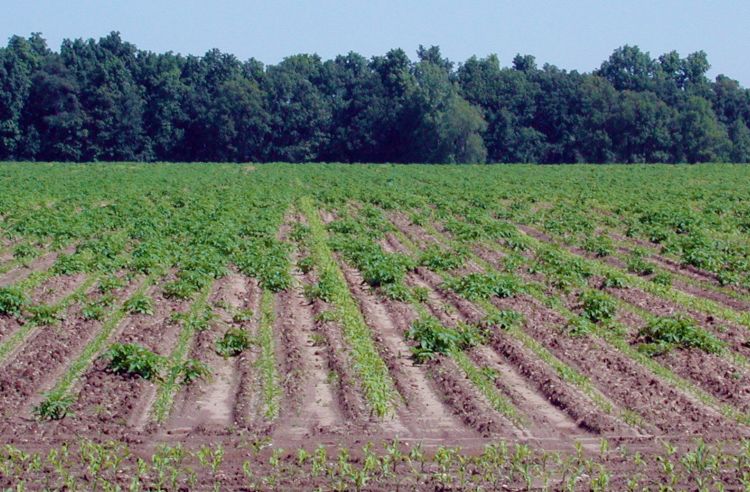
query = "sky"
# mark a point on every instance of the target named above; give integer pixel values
(572, 34)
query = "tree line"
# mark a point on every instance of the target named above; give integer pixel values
(107, 100)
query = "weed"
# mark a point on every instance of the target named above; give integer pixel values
(133, 359)
(475, 286)
(597, 306)
(243, 315)
(662, 278)
(12, 301)
(190, 370)
(233, 342)
(45, 315)
(599, 245)
(140, 304)
(53, 407)
(661, 334)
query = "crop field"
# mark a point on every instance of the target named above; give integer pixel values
(374, 327)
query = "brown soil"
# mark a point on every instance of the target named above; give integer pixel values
(247, 402)
(735, 336)
(713, 373)
(311, 406)
(42, 360)
(424, 414)
(40, 263)
(114, 400)
(209, 404)
(621, 379)
(601, 356)
(56, 288)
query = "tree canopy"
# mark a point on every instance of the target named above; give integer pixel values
(108, 100)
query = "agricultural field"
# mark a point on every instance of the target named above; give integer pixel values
(374, 327)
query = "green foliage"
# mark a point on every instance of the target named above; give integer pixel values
(45, 315)
(305, 264)
(140, 304)
(134, 360)
(420, 294)
(24, 251)
(110, 283)
(299, 232)
(323, 290)
(53, 407)
(578, 326)
(637, 264)
(599, 245)
(614, 280)
(69, 265)
(93, 311)
(233, 342)
(662, 278)
(268, 261)
(436, 258)
(190, 370)
(433, 338)
(243, 315)
(597, 306)
(397, 291)
(502, 319)
(475, 286)
(179, 289)
(12, 301)
(664, 333)
(563, 271)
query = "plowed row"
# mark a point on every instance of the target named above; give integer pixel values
(302, 381)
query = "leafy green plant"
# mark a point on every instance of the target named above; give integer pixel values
(45, 315)
(397, 291)
(326, 316)
(69, 265)
(133, 359)
(233, 342)
(243, 315)
(578, 326)
(436, 258)
(475, 286)
(305, 264)
(599, 245)
(110, 283)
(323, 290)
(433, 338)
(24, 251)
(179, 289)
(637, 264)
(299, 232)
(140, 304)
(53, 407)
(662, 334)
(190, 370)
(614, 280)
(12, 301)
(93, 311)
(662, 278)
(420, 294)
(503, 319)
(597, 306)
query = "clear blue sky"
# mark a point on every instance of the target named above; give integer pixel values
(572, 34)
